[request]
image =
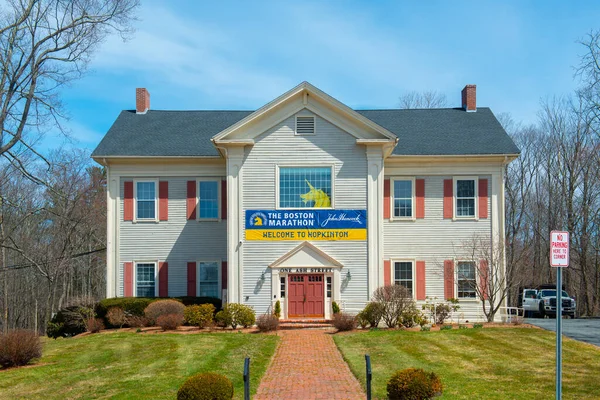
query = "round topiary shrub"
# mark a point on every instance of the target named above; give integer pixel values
(163, 307)
(413, 384)
(206, 386)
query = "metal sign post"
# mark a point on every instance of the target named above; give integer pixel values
(559, 257)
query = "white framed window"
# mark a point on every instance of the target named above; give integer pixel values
(146, 204)
(146, 279)
(403, 198)
(209, 199)
(208, 278)
(305, 125)
(329, 282)
(404, 274)
(465, 197)
(305, 187)
(466, 280)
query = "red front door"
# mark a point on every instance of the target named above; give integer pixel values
(306, 296)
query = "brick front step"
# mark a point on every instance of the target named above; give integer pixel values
(301, 323)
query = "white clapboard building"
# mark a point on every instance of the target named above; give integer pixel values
(304, 200)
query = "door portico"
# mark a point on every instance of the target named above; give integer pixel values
(306, 281)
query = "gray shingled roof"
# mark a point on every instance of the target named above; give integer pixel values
(447, 131)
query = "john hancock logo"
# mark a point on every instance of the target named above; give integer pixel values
(258, 219)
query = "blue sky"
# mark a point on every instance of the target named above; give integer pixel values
(240, 55)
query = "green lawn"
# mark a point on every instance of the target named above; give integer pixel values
(494, 363)
(136, 366)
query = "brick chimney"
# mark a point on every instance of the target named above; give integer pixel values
(469, 98)
(142, 101)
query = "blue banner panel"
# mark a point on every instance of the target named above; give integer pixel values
(306, 218)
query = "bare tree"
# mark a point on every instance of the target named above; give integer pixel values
(485, 273)
(44, 44)
(427, 99)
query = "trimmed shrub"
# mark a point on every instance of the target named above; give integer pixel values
(335, 307)
(69, 321)
(412, 316)
(445, 327)
(206, 386)
(344, 322)
(477, 326)
(413, 384)
(163, 307)
(138, 322)
(223, 319)
(267, 322)
(277, 311)
(394, 299)
(116, 316)
(373, 312)
(19, 347)
(241, 315)
(169, 322)
(200, 316)
(94, 325)
(135, 306)
(361, 320)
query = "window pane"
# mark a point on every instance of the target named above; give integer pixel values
(403, 275)
(403, 198)
(305, 187)
(465, 188)
(145, 280)
(209, 279)
(403, 189)
(146, 198)
(466, 280)
(465, 207)
(209, 199)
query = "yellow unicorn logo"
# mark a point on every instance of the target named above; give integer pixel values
(320, 198)
(258, 221)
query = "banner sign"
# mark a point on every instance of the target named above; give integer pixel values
(308, 224)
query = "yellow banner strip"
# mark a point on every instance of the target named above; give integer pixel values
(306, 234)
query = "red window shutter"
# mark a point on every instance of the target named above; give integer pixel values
(420, 280)
(191, 279)
(128, 201)
(420, 195)
(224, 275)
(163, 279)
(483, 278)
(483, 198)
(224, 199)
(387, 272)
(163, 201)
(448, 279)
(191, 200)
(128, 279)
(448, 199)
(386, 199)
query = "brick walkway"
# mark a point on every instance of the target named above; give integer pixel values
(307, 365)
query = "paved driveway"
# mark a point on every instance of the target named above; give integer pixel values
(585, 330)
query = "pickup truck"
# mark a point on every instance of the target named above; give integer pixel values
(528, 301)
(546, 299)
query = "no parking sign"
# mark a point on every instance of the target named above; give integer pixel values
(559, 249)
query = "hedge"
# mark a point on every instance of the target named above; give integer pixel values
(137, 305)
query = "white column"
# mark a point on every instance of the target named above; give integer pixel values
(374, 218)
(235, 157)
(112, 222)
